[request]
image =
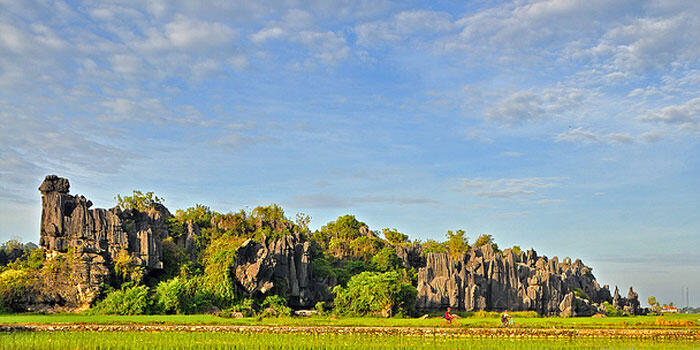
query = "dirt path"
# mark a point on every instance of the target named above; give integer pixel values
(686, 334)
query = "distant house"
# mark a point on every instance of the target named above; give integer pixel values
(669, 309)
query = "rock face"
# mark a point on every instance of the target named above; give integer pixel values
(629, 304)
(483, 279)
(573, 306)
(82, 245)
(92, 238)
(279, 266)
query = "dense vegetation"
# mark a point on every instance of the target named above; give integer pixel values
(360, 265)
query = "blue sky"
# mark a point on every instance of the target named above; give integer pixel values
(568, 126)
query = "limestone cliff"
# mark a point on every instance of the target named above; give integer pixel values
(279, 266)
(484, 279)
(83, 244)
(93, 238)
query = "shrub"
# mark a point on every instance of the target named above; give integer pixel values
(456, 243)
(365, 247)
(321, 268)
(275, 305)
(611, 311)
(433, 247)
(375, 293)
(199, 214)
(484, 240)
(393, 236)
(516, 250)
(173, 258)
(246, 306)
(219, 264)
(139, 201)
(181, 296)
(320, 307)
(126, 301)
(386, 260)
(16, 287)
(581, 294)
(125, 269)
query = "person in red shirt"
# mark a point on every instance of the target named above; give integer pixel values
(448, 316)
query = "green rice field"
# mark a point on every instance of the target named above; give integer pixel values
(185, 340)
(477, 331)
(679, 321)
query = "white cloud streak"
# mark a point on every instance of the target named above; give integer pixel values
(507, 187)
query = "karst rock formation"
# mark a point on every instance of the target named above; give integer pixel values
(88, 241)
(486, 279)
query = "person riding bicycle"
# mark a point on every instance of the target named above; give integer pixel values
(506, 319)
(448, 316)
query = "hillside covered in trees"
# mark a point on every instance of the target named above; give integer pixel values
(139, 258)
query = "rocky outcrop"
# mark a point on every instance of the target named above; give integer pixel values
(573, 306)
(630, 304)
(411, 255)
(483, 279)
(279, 266)
(88, 240)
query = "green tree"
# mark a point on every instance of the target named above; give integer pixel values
(386, 260)
(16, 288)
(303, 221)
(394, 237)
(375, 294)
(516, 249)
(199, 214)
(275, 305)
(219, 265)
(269, 213)
(134, 300)
(346, 227)
(457, 243)
(434, 247)
(181, 296)
(652, 301)
(365, 247)
(139, 201)
(125, 268)
(484, 240)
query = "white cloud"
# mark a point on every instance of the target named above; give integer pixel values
(685, 116)
(529, 106)
(582, 135)
(329, 46)
(183, 33)
(126, 64)
(267, 34)
(146, 110)
(511, 154)
(334, 201)
(298, 27)
(645, 43)
(507, 187)
(528, 24)
(652, 136)
(416, 23)
(239, 62)
(34, 146)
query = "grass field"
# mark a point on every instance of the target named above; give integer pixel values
(475, 332)
(184, 340)
(676, 321)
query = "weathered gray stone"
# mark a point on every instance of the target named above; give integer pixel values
(573, 306)
(90, 239)
(483, 279)
(279, 266)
